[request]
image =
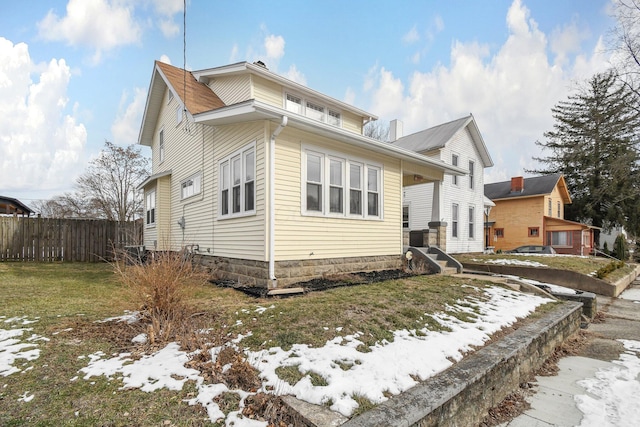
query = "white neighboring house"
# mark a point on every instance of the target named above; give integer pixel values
(461, 198)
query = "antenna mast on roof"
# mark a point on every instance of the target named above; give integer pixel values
(187, 128)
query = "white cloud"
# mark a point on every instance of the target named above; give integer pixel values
(165, 59)
(168, 27)
(411, 36)
(509, 91)
(97, 24)
(274, 47)
(296, 75)
(167, 9)
(41, 147)
(126, 126)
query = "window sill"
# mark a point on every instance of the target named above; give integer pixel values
(236, 215)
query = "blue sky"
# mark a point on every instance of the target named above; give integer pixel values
(74, 73)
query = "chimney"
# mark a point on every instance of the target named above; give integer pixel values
(517, 184)
(395, 130)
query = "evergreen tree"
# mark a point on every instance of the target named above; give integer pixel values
(594, 143)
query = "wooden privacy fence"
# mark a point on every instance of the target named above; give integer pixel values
(50, 239)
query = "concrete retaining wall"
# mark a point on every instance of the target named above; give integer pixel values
(463, 394)
(566, 278)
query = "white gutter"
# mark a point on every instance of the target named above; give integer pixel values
(272, 201)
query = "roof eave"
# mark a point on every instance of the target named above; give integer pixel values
(150, 118)
(256, 110)
(247, 67)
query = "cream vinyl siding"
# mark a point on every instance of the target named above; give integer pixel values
(232, 89)
(351, 122)
(240, 237)
(267, 91)
(312, 237)
(555, 198)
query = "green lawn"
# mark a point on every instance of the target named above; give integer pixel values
(68, 299)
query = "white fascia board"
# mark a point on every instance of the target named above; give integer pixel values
(246, 67)
(255, 110)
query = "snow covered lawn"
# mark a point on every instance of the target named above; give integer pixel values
(348, 369)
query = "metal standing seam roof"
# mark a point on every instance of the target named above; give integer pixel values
(535, 186)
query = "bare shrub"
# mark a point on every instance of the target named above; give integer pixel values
(161, 287)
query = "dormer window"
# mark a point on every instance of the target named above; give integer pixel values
(293, 104)
(315, 111)
(333, 118)
(312, 109)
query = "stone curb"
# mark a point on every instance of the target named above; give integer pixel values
(464, 393)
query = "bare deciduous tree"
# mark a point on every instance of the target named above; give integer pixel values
(377, 130)
(625, 40)
(106, 189)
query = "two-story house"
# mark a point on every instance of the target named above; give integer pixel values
(269, 181)
(530, 211)
(457, 201)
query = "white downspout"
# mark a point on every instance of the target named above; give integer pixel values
(272, 201)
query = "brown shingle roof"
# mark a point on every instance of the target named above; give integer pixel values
(199, 97)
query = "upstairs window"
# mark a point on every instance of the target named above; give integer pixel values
(454, 162)
(550, 210)
(191, 186)
(293, 103)
(471, 174)
(558, 209)
(237, 183)
(334, 118)
(315, 111)
(312, 109)
(179, 111)
(161, 145)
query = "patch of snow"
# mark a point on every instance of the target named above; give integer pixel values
(508, 261)
(26, 397)
(612, 398)
(129, 317)
(140, 338)
(13, 347)
(631, 294)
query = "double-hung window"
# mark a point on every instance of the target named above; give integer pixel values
(471, 174)
(237, 183)
(355, 189)
(472, 214)
(454, 220)
(161, 145)
(454, 162)
(315, 165)
(334, 185)
(150, 207)
(191, 186)
(373, 191)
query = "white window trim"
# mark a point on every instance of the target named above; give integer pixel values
(327, 109)
(179, 114)
(455, 220)
(147, 195)
(472, 177)
(241, 153)
(161, 146)
(327, 156)
(455, 181)
(195, 178)
(472, 222)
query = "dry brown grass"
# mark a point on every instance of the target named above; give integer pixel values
(160, 287)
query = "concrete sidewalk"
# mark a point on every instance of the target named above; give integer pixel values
(553, 403)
